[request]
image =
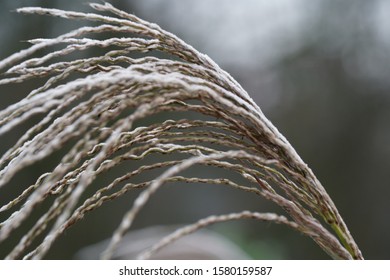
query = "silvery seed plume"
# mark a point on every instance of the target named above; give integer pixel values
(94, 105)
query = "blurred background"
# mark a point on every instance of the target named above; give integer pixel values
(320, 72)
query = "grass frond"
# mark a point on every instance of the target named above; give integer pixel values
(130, 104)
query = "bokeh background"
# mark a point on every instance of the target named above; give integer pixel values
(320, 72)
